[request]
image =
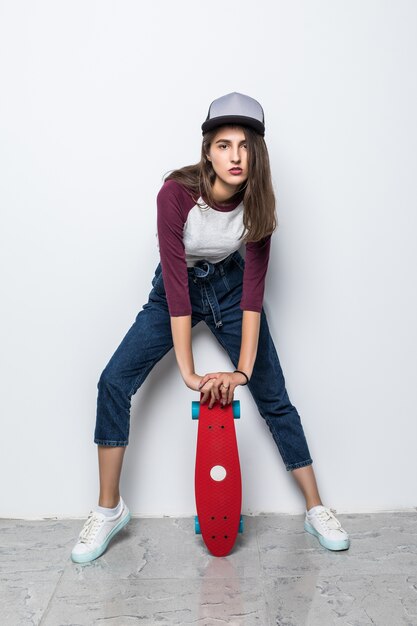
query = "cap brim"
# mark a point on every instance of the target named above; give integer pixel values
(233, 119)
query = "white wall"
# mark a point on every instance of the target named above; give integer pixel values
(99, 100)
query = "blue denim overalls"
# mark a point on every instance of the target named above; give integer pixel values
(215, 294)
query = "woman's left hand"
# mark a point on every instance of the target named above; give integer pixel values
(222, 389)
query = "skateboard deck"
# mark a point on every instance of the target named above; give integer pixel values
(218, 484)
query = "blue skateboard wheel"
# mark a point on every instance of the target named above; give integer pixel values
(241, 524)
(195, 409)
(197, 525)
(236, 409)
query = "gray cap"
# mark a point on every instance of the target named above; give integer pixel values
(235, 108)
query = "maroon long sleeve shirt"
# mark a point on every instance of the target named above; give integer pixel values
(187, 233)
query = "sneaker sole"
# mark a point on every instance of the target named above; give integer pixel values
(94, 554)
(343, 544)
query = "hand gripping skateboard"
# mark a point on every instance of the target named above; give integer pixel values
(218, 484)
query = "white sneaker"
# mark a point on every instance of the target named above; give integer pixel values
(321, 522)
(96, 534)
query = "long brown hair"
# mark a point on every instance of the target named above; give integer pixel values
(259, 215)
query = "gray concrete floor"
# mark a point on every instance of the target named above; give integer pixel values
(157, 571)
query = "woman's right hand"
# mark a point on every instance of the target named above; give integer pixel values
(193, 382)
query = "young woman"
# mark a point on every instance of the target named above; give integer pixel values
(204, 214)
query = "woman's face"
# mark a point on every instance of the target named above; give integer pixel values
(228, 151)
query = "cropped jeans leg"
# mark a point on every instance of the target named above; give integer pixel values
(145, 343)
(267, 384)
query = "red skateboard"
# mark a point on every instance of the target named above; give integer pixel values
(218, 484)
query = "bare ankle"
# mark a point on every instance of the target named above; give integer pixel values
(311, 503)
(109, 502)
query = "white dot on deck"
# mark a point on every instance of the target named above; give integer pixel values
(218, 473)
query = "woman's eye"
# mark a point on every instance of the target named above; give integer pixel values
(223, 145)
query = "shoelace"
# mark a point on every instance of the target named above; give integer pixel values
(328, 519)
(91, 527)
